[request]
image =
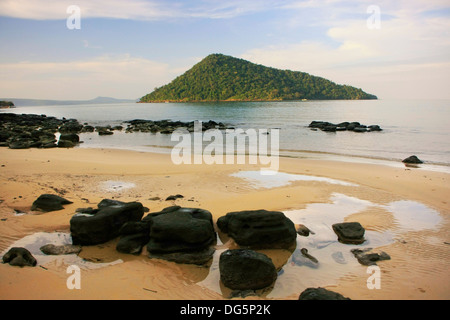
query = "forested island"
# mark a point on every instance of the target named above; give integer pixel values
(6, 104)
(224, 78)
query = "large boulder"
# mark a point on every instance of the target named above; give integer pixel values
(244, 269)
(20, 257)
(349, 232)
(259, 228)
(103, 224)
(49, 202)
(182, 235)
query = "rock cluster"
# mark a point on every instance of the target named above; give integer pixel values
(23, 131)
(343, 126)
(168, 126)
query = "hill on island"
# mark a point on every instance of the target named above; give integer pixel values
(224, 78)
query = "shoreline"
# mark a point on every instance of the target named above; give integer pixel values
(419, 256)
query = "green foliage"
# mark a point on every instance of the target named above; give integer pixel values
(7, 104)
(224, 78)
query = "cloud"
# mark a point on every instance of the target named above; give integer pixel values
(133, 9)
(122, 76)
(409, 56)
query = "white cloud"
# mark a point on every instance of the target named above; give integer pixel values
(120, 77)
(133, 9)
(409, 56)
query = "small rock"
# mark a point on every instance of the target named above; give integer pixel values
(349, 232)
(52, 249)
(303, 230)
(174, 197)
(49, 202)
(367, 258)
(413, 160)
(320, 294)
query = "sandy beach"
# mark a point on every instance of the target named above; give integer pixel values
(393, 204)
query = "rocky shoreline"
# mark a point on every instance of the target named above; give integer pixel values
(24, 131)
(188, 236)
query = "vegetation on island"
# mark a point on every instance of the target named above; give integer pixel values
(224, 78)
(6, 104)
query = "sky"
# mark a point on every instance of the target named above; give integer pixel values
(124, 49)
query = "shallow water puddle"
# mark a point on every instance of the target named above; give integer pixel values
(35, 241)
(113, 186)
(274, 179)
(335, 259)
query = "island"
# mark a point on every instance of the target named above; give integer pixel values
(220, 77)
(6, 104)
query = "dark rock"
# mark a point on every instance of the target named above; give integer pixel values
(374, 127)
(132, 243)
(413, 160)
(49, 202)
(360, 129)
(199, 257)
(349, 232)
(52, 249)
(320, 294)
(65, 144)
(20, 257)
(304, 231)
(367, 258)
(180, 230)
(70, 137)
(134, 236)
(20, 144)
(259, 228)
(105, 224)
(243, 269)
(174, 197)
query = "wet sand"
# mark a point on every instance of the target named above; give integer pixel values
(404, 211)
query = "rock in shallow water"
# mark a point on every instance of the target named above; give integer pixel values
(52, 249)
(243, 269)
(349, 232)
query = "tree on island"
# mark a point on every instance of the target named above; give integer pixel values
(224, 78)
(6, 104)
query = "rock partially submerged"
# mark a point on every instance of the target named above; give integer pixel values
(367, 258)
(412, 160)
(51, 249)
(20, 257)
(259, 229)
(349, 232)
(343, 126)
(49, 202)
(243, 269)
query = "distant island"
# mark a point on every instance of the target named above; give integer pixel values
(6, 104)
(40, 102)
(224, 78)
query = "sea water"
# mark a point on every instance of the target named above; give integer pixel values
(418, 127)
